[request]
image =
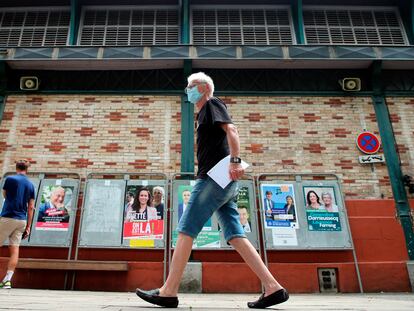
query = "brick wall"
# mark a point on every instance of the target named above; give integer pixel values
(142, 133)
(310, 135)
(92, 133)
(402, 118)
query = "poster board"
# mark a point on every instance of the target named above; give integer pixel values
(294, 215)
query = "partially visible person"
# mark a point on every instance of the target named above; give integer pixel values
(217, 137)
(16, 216)
(54, 210)
(290, 207)
(312, 201)
(158, 194)
(328, 204)
(183, 206)
(129, 201)
(269, 204)
(141, 208)
(244, 218)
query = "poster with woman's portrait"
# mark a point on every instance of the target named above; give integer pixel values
(54, 209)
(144, 212)
(322, 209)
(279, 205)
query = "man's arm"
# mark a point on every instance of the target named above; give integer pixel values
(4, 193)
(30, 212)
(235, 169)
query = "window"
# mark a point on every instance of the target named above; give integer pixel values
(34, 28)
(353, 26)
(129, 27)
(244, 26)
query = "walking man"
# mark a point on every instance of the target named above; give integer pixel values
(17, 215)
(217, 137)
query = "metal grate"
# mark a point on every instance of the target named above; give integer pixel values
(129, 27)
(241, 26)
(354, 26)
(34, 28)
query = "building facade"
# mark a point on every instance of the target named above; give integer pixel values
(97, 86)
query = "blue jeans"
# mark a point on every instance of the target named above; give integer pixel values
(206, 198)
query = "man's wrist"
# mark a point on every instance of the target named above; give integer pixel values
(235, 160)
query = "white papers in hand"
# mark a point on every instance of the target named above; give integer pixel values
(220, 172)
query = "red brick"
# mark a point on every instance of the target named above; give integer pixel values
(81, 163)
(142, 132)
(31, 131)
(139, 164)
(60, 116)
(115, 116)
(340, 132)
(309, 117)
(55, 147)
(86, 131)
(112, 147)
(53, 162)
(254, 117)
(8, 115)
(314, 148)
(255, 148)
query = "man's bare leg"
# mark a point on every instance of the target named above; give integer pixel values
(14, 258)
(253, 260)
(181, 254)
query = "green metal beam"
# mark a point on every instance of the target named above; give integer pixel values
(187, 127)
(185, 22)
(392, 159)
(297, 16)
(74, 21)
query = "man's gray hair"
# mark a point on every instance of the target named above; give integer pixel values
(202, 77)
(158, 188)
(326, 193)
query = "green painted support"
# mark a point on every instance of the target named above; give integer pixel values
(187, 127)
(185, 22)
(297, 16)
(392, 160)
(74, 21)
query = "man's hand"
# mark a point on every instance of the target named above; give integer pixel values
(236, 171)
(26, 233)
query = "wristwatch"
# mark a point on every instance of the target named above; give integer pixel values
(235, 160)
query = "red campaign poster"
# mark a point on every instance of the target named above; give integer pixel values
(152, 229)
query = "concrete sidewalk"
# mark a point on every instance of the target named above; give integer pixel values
(30, 299)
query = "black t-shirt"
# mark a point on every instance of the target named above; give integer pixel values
(212, 143)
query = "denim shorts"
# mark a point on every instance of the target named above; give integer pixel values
(206, 198)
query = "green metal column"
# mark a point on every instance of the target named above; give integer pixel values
(185, 22)
(187, 109)
(187, 127)
(392, 159)
(74, 21)
(297, 16)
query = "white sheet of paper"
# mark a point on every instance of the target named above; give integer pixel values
(284, 236)
(220, 172)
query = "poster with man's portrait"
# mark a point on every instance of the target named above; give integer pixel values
(243, 207)
(322, 210)
(279, 205)
(144, 212)
(207, 238)
(54, 208)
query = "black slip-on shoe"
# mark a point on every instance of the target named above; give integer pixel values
(273, 299)
(153, 296)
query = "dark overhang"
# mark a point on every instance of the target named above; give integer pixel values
(162, 57)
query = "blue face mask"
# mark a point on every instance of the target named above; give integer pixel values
(194, 95)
